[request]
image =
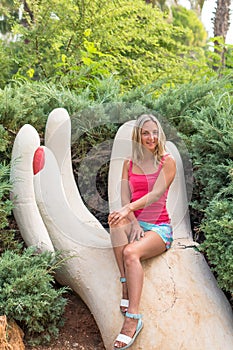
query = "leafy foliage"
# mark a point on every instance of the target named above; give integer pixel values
(31, 102)
(7, 234)
(146, 47)
(27, 293)
(213, 146)
(8, 13)
(5, 204)
(218, 228)
(196, 35)
(84, 43)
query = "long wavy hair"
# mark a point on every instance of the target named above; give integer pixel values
(137, 147)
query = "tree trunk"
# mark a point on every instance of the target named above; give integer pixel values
(197, 6)
(221, 27)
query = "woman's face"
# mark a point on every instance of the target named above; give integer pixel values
(149, 135)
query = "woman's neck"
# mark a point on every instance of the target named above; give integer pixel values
(148, 157)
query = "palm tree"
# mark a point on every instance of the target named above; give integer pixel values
(222, 18)
(221, 26)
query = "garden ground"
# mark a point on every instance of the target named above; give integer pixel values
(79, 332)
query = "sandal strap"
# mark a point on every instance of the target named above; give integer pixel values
(124, 302)
(135, 316)
(122, 279)
(123, 338)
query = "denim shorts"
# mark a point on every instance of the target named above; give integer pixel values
(163, 230)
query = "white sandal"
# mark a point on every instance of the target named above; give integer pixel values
(125, 338)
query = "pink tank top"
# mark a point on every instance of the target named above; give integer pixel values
(141, 184)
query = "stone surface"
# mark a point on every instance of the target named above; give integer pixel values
(11, 335)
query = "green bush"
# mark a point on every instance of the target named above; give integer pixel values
(31, 102)
(218, 228)
(137, 43)
(27, 293)
(5, 204)
(188, 19)
(212, 145)
(7, 234)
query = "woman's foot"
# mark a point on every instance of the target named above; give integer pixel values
(131, 326)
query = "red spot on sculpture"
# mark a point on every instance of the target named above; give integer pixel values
(38, 160)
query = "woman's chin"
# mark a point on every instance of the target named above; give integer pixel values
(151, 148)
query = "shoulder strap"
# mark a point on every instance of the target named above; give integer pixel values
(164, 157)
(162, 161)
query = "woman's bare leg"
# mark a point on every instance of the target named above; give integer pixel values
(119, 237)
(149, 246)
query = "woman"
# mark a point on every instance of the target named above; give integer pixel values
(141, 228)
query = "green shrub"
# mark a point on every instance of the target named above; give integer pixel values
(188, 19)
(7, 234)
(137, 43)
(5, 204)
(27, 293)
(212, 147)
(31, 102)
(218, 228)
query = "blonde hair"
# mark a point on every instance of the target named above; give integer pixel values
(137, 148)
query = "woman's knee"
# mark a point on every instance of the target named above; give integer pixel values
(130, 254)
(119, 233)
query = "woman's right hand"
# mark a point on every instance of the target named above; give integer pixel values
(136, 232)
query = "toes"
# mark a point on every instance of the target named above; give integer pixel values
(123, 309)
(119, 345)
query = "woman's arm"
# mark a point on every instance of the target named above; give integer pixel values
(125, 189)
(164, 180)
(136, 230)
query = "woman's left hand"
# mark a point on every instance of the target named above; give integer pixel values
(116, 216)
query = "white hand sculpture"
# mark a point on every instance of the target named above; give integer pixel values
(182, 306)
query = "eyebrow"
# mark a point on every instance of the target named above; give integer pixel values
(144, 130)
